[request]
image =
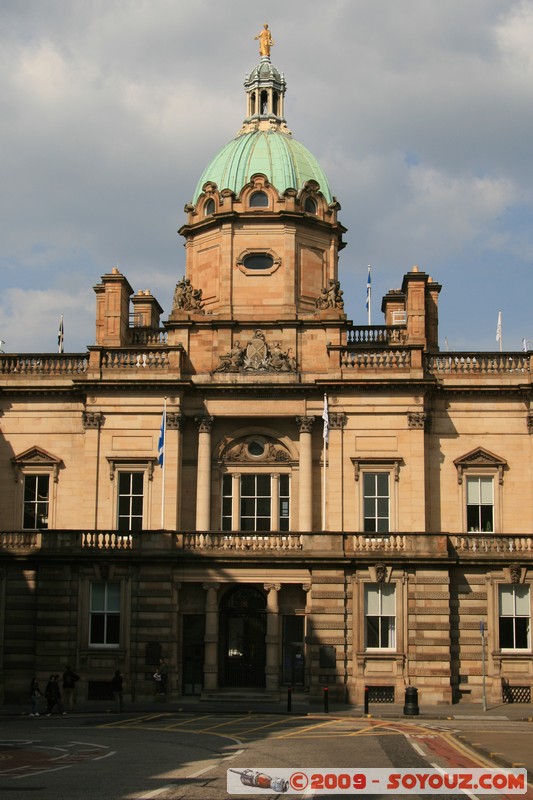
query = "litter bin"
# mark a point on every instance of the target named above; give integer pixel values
(411, 702)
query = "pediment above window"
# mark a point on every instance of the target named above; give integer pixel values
(36, 457)
(480, 459)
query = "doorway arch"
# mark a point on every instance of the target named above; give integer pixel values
(242, 656)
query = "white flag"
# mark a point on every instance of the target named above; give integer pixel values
(325, 417)
(499, 327)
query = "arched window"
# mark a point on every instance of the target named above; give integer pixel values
(209, 207)
(259, 200)
(310, 206)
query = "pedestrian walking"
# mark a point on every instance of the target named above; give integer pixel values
(53, 696)
(163, 673)
(69, 687)
(117, 687)
(35, 695)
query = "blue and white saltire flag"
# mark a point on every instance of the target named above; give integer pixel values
(161, 443)
(60, 336)
(325, 417)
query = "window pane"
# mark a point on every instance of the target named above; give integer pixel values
(486, 490)
(247, 485)
(382, 484)
(137, 506)
(383, 525)
(97, 596)
(521, 594)
(30, 488)
(472, 490)
(113, 596)
(371, 600)
(113, 629)
(263, 507)
(388, 600)
(472, 518)
(248, 507)
(263, 485)
(284, 485)
(372, 631)
(506, 601)
(370, 525)
(486, 519)
(369, 483)
(522, 633)
(137, 483)
(506, 632)
(263, 524)
(97, 628)
(226, 484)
(383, 507)
(369, 507)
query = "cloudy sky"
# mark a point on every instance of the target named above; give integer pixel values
(419, 111)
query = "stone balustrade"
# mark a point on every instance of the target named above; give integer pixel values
(376, 335)
(240, 542)
(478, 363)
(135, 359)
(336, 544)
(493, 543)
(375, 360)
(44, 364)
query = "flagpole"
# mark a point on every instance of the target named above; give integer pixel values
(325, 417)
(369, 296)
(163, 460)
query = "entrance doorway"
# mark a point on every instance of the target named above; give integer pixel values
(242, 638)
(193, 653)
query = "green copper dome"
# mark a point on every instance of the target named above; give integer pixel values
(286, 163)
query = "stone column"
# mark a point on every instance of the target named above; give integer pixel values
(236, 501)
(305, 516)
(175, 422)
(92, 421)
(272, 637)
(203, 474)
(211, 637)
(335, 473)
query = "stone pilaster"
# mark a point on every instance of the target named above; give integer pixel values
(203, 475)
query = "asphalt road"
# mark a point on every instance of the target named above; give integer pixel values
(185, 756)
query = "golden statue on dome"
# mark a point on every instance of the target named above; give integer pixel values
(265, 41)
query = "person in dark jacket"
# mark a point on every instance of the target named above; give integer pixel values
(69, 687)
(53, 696)
(35, 694)
(117, 689)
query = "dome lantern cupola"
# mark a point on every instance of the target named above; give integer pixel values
(265, 91)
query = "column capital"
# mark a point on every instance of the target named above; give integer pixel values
(174, 421)
(337, 419)
(92, 419)
(214, 586)
(417, 420)
(305, 424)
(205, 423)
(269, 586)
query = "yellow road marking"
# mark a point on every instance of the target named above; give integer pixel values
(308, 728)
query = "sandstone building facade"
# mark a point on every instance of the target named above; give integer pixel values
(337, 506)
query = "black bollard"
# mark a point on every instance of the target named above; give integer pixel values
(326, 700)
(411, 708)
(366, 699)
(289, 699)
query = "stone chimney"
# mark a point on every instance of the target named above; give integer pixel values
(112, 310)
